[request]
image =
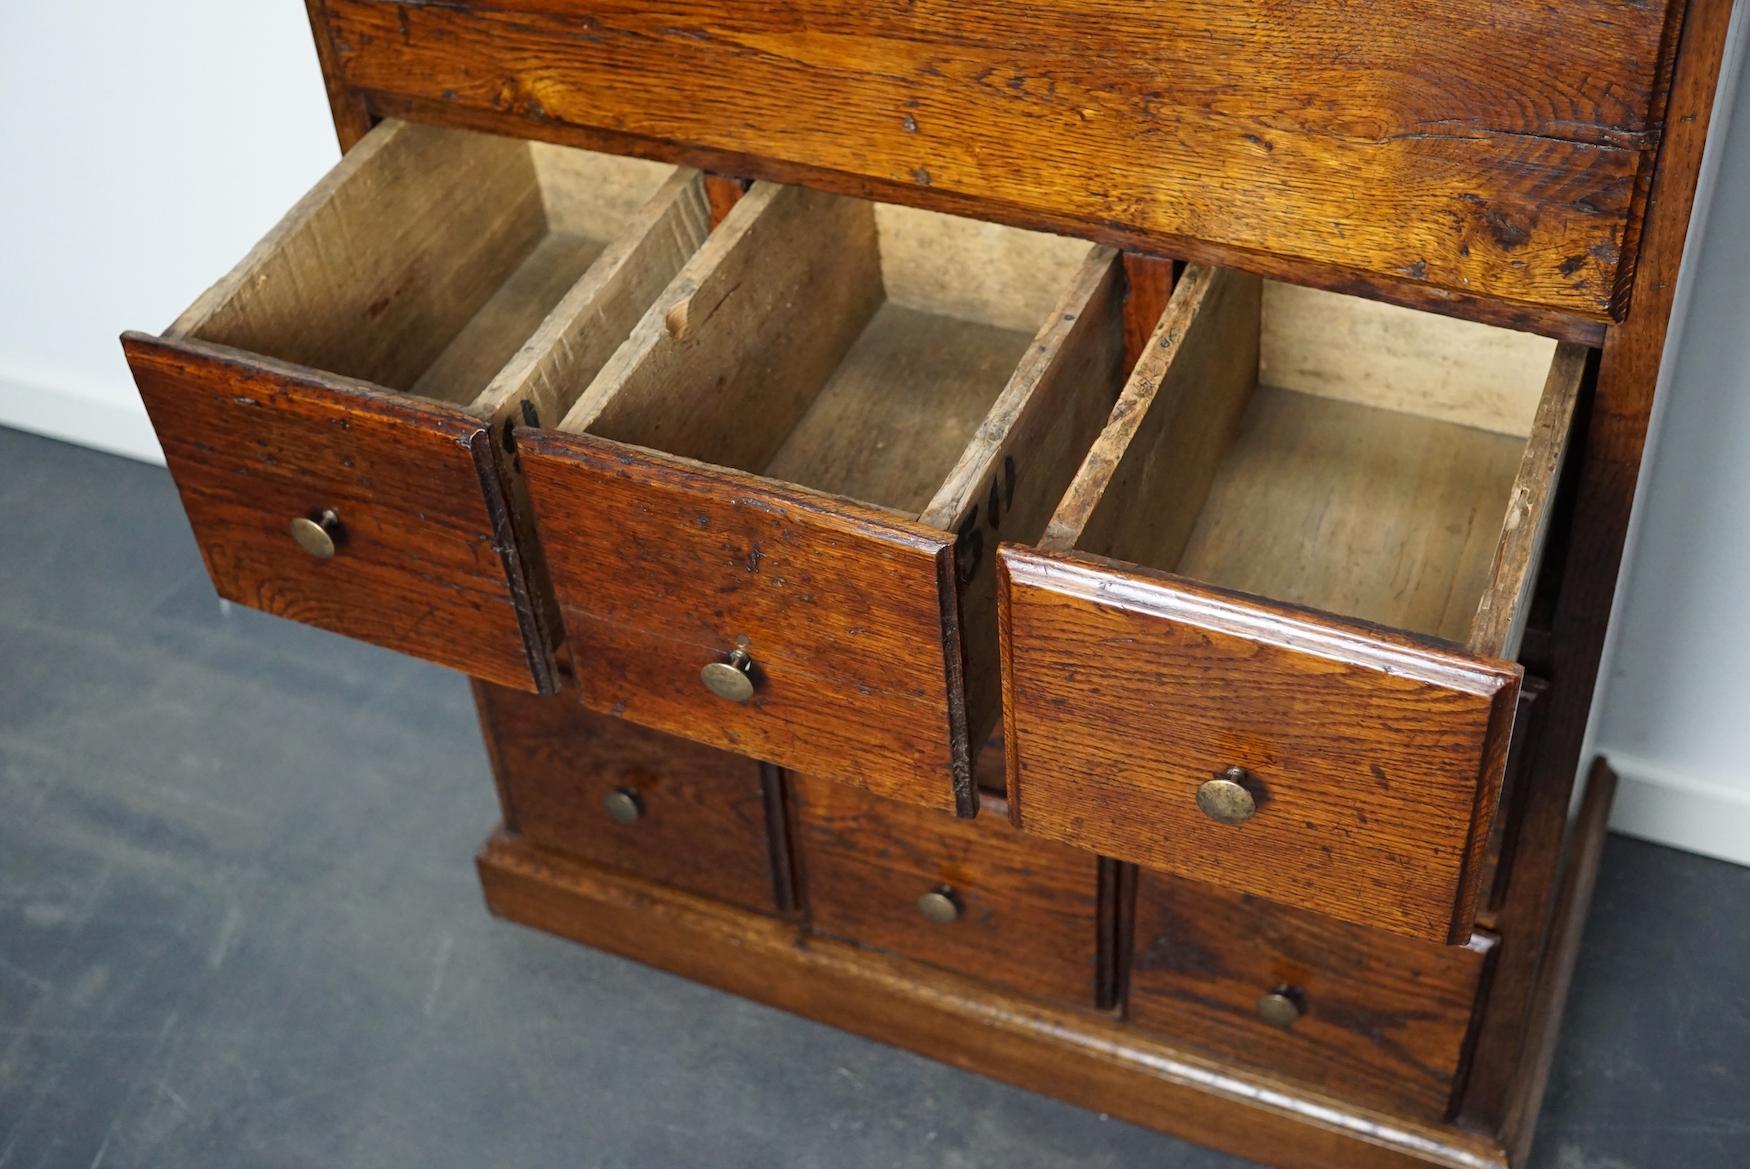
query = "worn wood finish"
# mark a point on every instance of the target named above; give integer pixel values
(1148, 285)
(1515, 794)
(723, 193)
(734, 351)
(1613, 438)
(663, 565)
(451, 265)
(1143, 482)
(1029, 919)
(1374, 514)
(1289, 505)
(1379, 757)
(865, 437)
(1491, 153)
(1373, 354)
(1572, 898)
(820, 344)
(1010, 476)
(516, 308)
(1075, 1055)
(424, 565)
(566, 348)
(1499, 623)
(377, 268)
(351, 113)
(1386, 1019)
(704, 825)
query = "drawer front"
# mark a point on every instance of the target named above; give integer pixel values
(973, 896)
(1370, 1017)
(1368, 763)
(1439, 150)
(422, 558)
(618, 795)
(847, 614)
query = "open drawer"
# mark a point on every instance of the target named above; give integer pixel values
(329, 408)
(1267, 640)
(770, 519)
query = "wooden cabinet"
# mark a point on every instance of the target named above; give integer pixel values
(1239, 407)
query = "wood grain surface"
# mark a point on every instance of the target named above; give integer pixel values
(1488, 151)
(1075, 1055)
(1611, 438)
(1029, 909)
(425, 564)
(662, 565)
(1023, 454)
(1386, 1021)
(704, 821)
(1379, 757)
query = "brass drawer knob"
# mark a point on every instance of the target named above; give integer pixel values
(317, 536)
(940, 905)
(1282, 1007)
(624, 806)
(1229, 798)
(731, 679)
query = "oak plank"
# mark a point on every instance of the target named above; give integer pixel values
(1378, 757)
(1029, 918)
(1476, 152)
(1074, 1055)
(425, 563)
(702, 825)
(1386, 1019)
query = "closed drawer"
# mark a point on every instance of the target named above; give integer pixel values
(618, 795)
(770, 518)
(1267, 640)
(1371, 1017)
(334, 410)
(973, 896)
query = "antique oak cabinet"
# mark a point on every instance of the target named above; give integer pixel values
(1072, 537)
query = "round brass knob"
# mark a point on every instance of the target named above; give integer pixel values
(940, 905)
(731, 679)
(623, 806)
(1282, 1007)
(317, 536)
(1228, 798)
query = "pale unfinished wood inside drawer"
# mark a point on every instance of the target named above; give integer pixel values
(1337, 454)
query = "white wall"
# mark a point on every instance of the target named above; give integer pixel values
(145, 148)
(148, 146)
(1675, 714)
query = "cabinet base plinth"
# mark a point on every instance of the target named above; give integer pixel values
(1086, 1057)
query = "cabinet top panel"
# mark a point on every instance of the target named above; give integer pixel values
(1482, 157)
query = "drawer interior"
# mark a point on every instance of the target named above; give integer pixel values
(428, 258)
(836, 344)
(1334, 453)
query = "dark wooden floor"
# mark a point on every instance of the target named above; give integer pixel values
(239, 927)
